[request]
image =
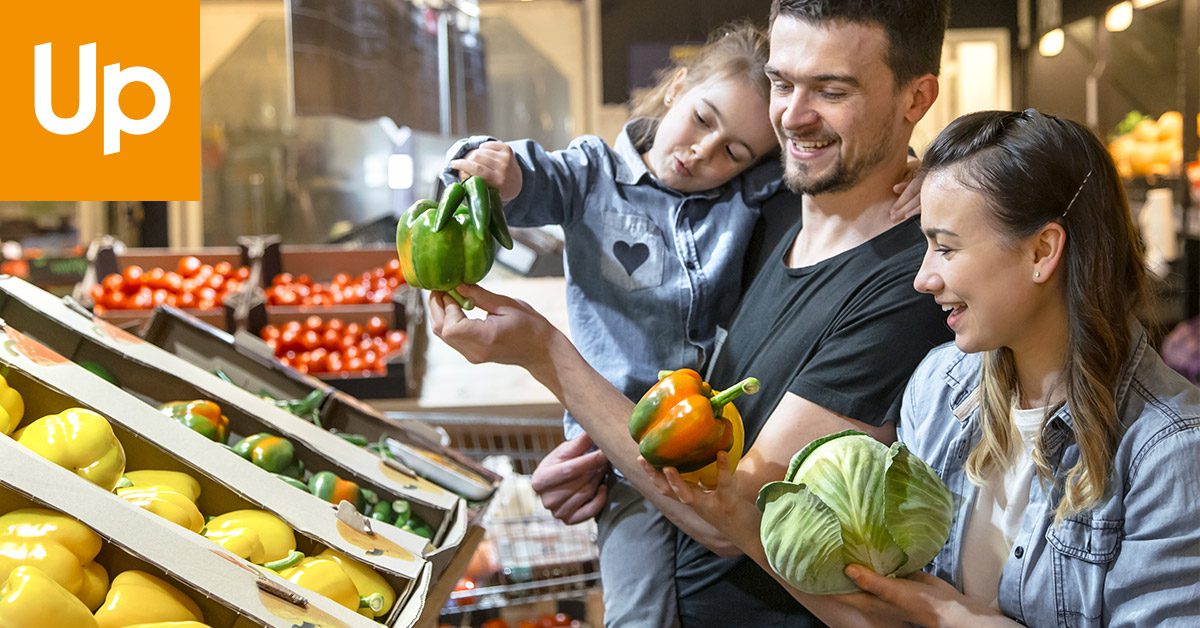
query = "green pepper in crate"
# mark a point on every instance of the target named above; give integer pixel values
(201, 416)
(293, 482)
(97, 369)
(418, 527)
(383, 512)
(308, 408)
(329, 487)
(403, 511)
(267, 451)
(353, 439)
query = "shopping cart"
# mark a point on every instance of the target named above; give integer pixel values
(528, 556)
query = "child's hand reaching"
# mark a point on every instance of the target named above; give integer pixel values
(495, 162)
(909, 189)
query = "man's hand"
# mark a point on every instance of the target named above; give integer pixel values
(570, 481)
(496, 164)
(723, 507)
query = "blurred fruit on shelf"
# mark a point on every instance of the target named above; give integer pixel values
(1142, 146)
(372, 286)
(191, 285)
(330, 346)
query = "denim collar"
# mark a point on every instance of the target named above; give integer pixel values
(631, 168)
(962, 377)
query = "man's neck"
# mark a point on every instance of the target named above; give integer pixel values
(839, 221)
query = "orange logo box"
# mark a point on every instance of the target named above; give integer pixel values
(101, 100)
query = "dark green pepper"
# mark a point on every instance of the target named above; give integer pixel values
(442, 246)
(267, 451)
(418, 527)
(403, 511)
(333, 489)
(201, 416)
(353, 439)
(382, 512)
(293, 482)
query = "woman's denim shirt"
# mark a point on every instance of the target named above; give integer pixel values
(651, 272)
(1133, 560)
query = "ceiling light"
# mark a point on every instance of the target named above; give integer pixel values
(1118, 17)
(1051, 44)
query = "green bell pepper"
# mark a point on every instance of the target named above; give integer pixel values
(267, 451)
(201, 416)
(293, 482)
(442, 246)
(329, 487)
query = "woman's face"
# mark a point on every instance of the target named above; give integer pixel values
(983, 280)
(709, 135)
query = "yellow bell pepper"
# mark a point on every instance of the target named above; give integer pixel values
(137, 597)
(165, 502)
(56, 561)
(12, 407)
(51, 525)
(94, 587)
(81, 441)
(181, 482)
(256, 535)
(366, 580)
(31, 599)
(324, 576)
(171, 624)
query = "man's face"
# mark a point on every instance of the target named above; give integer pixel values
(834, 105)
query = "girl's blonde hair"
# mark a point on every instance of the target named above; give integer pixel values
(735, 50)
(1035, 169)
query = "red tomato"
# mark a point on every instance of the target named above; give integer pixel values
(133, 276)
(314, 323)
(187, 300)
(188, 266)
(143, 299)
(224, 269)
(331, 339)
(396, 339)
(335, 324)
(153, 278)
(310, 339)
(96, 292)
(291, 325)
(376, 326)
(304, 279)
(319, 299)
(282, 279)
(205, 293)
(334, 362)
(393, 267)
(242, 273)
(354, 330)
(268, 331)
(115, 300)
(289, 339)
(173, 281)
(113, 283)
(216, 282)
(341, 279)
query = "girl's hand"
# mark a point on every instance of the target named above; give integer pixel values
(496, 164)
(909, 189)
(923, 599)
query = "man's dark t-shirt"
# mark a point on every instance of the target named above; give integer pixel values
(845, 333)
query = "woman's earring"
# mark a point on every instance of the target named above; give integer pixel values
(1037, 274)
(667, 100)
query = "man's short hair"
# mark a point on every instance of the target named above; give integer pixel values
(915, 28)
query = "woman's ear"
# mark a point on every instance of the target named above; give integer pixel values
(1048, 246)
(676, 86)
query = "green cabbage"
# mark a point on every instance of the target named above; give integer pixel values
(847, 498)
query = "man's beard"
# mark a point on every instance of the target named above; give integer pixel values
(840, 178)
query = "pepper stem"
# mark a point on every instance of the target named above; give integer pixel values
(462, 301)
(748, 386)
(664, 374)
(373, 602)
(292, 558)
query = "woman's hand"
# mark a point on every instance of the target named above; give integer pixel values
(909, 189)
(570, 481)
(496, 164)
(510, 334)
(921, 599)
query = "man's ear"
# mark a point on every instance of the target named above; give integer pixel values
(922, 92)
(1046, 251)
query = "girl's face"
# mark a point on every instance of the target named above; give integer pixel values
(983, 280)
(709, 135)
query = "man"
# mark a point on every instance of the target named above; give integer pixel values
(830, 324)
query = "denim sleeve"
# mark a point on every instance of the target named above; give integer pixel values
(554, 183)
(1155, 579)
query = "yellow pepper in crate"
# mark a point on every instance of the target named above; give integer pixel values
(324, 575)
(181, 482)
(366, 580)
(171, 624)
(137, 597)
(54, 528)
(256, 535)
(31, 599)
(12, 407)
(165, 502)
(79, 440)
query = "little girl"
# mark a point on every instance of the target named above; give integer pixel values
(656, 230)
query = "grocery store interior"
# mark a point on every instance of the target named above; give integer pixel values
(272, 316)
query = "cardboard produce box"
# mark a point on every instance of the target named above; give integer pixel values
(156, 376)
(248, 363)
(49, 384)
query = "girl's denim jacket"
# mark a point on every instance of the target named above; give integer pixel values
(651, 272)
(1134, 559)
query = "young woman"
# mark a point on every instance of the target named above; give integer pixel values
(1072, 450)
